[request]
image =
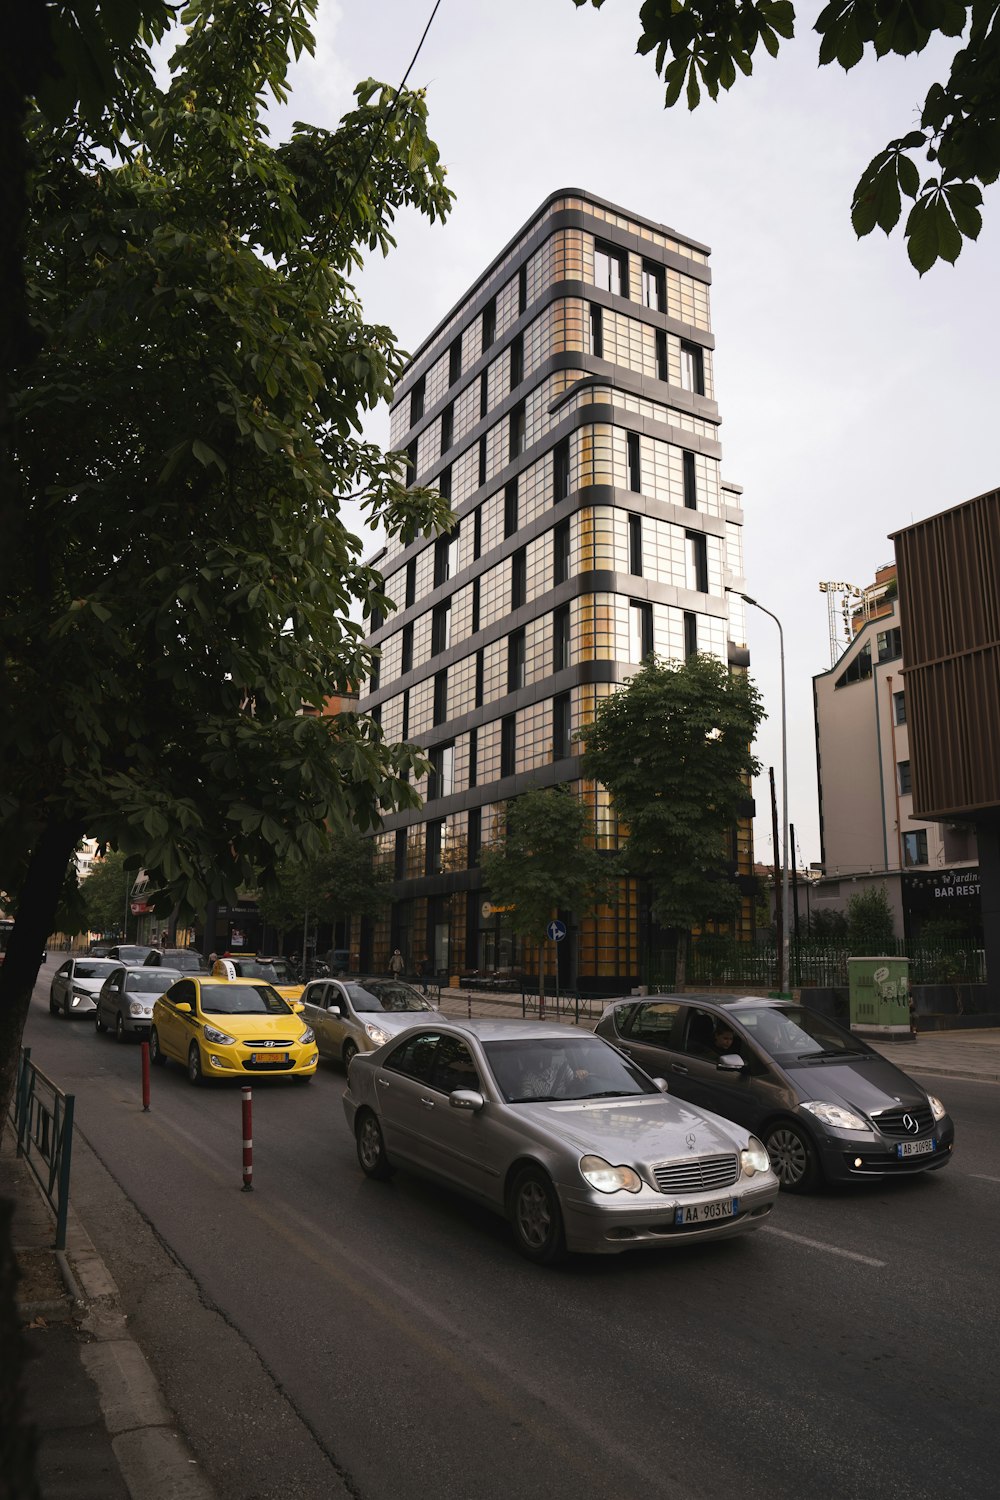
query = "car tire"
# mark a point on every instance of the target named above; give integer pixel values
(155, 1054)
(793, 1157)
(119, 1028)
(98, 1023)
(53, 1004)
(349, 1053)
(536, 1218)
(371, 1147)
(194, 1072)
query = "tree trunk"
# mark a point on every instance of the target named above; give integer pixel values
(680, 963)
(36, 911)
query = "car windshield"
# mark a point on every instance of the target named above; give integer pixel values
(150, 981)
(789, 1032)
(183, 959)
(251, 968)
(386, 994)
(575, 1067)
(130, 955)
(93, 968)
(243, 1000)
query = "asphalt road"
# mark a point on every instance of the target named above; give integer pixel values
(326, 1335)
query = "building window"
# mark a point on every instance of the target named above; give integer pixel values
(915, 847)
(417, 401)
(903, 775)
(561, 726)
(610, 269)
(374, 675)
(477, 532)
(889, 644)
(661, 354)
(635, 545)
(475, 836)
(560, 553)
(406, 659)
(455, 362)
(399, 860)
(376, 712)
(516, 361)
(859, 669)
(441, 627)
(899, 707)
(696, 552)
(474, 622)
(522, 290)
(473, 756)
(411, 581)
(690, 633)
(596, 331)
(440, 697)
(518, 578)
(690, 483)
(510, 508)
(634, 462)
(640, 621)
(508, 744)
(447, 427)
(484, 394)
(405, 726)
(442, 777)
(432, 865)
(489, 323)
(653, 287)
(482, 461)
(560, 638)
(516, 445)
(515, 661)
(479, 678)
(444, 483)
(442, 560)
(693, 368)
(411, 462)
(560, 471)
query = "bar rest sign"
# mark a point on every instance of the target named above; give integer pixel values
(880, 995)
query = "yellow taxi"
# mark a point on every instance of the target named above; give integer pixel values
(276, 971)
(222, 1026)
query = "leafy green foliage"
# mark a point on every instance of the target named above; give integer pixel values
(105, 891)
(870, 922)
(342, 881)
(673, 749)
(703, 44)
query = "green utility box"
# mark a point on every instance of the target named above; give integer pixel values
(880, 995)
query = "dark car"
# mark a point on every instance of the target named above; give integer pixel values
(184, 960)
(100, 950)
(130, 953)
(826, 1105)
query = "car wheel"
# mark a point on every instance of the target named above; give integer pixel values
(155, 1055)
(119, 1028)
(195, 1075)
(349, 1053)
(793, 1157)
(371, 1147)
(98, 1023)
(536, 1217)
(53, 1003)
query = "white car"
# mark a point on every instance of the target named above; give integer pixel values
(76, 985)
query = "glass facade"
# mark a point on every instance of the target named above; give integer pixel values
(577, 438)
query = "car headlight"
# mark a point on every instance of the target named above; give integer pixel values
(754, 1157)
(136, 1008)
(937, 1108)
(608, 1179)
(836, 1115)
(219, 1038)
(378, 1036)
(307, 1036)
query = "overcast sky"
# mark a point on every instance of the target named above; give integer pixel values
(855, 396)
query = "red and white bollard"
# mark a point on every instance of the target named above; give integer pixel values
(247, 1093)
(145, 1075)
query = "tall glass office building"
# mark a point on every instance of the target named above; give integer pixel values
(566, 406)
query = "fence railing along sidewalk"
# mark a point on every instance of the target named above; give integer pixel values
(43, 1121)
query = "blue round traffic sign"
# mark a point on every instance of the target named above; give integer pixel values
(556, 931)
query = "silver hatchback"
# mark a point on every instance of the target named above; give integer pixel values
(555, 1129)
(359, 1014)
(125, 1003)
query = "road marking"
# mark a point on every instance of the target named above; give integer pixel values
(800, 1239)
(980, 1178)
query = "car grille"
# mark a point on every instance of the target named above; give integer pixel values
(696, 1174)
(268, 1044)
(890, 1121)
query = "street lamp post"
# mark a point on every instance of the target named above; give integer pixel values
(784, 787)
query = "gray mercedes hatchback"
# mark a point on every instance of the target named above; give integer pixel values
(827, 1106)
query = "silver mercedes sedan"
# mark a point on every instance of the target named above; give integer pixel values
(554, 1128)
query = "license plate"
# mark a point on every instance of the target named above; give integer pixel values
(916, 1148)
(268, 1057)
(704, 1213)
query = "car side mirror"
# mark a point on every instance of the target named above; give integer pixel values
(662, 1085)
(333, 1010)
(183, 1006)
(731, 1063)
(470, 1099)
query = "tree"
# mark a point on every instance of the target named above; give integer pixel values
(178, 577)
(544, 861)
(105, 892)
(871, 928)
(828, 926)
(673, 749)
(341, 882)
(700, 44)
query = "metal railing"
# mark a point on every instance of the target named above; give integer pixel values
(824, 965)
(43, 1119)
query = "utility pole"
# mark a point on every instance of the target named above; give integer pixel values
(779, 905)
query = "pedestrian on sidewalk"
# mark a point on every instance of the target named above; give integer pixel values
(396, 964)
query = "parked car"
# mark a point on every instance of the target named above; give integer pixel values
(125, 1000)
(826, 1105)
(130, 953)
(76, 985)
(183, 960)
(555, 1129)
(358, 1015)
(218, 1028)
